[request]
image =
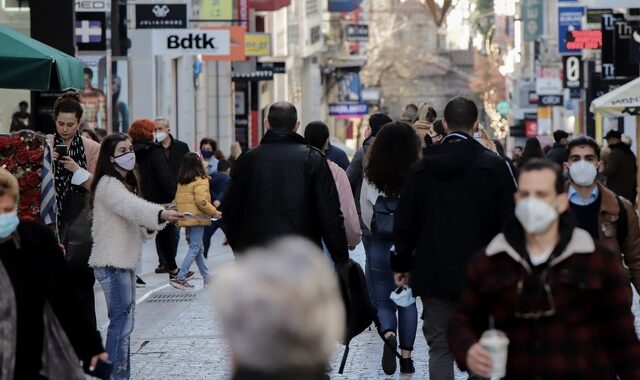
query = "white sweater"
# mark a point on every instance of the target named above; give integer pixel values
(120, 223)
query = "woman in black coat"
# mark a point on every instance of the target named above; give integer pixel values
(158, 186)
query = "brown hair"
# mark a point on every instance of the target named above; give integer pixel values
(9, 185)
(191, 169)
(70, 102)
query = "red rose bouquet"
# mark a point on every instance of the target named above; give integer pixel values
(21, 154)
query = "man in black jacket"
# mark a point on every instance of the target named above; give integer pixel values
(558, 152)
(283, 187)
(454, 202)
(167, 240)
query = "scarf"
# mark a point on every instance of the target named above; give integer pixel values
(63, 176)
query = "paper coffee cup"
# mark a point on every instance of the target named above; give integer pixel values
(497, 344)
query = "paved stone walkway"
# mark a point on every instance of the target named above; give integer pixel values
(177, 336)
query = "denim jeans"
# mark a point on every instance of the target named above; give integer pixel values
(196, 252)
(381, 284)
(208, 234)
(119, 286)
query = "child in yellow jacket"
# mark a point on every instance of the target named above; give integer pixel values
(194, 200)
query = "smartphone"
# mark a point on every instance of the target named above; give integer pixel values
(61, 150)
(102, 370)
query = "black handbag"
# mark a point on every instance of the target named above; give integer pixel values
(383, 216)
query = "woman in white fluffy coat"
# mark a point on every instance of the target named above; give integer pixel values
(121, 222)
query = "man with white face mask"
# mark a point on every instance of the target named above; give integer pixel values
(610, 219)
(559, 297)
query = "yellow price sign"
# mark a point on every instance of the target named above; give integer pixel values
(257, 44)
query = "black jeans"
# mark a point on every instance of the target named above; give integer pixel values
(167, 246)
(209, 231)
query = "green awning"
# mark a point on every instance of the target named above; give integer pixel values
(31, 65)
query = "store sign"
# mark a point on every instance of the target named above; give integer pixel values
(276, 67)
(569, 20)
(236, 48)
(370, 94)
(347, 110)
(93, 5)
(90, 31)
(161, 16)
(595, 15)
(531, 128)
(257, 44)
(269, 5)
(254, 76)
(583, 39)
(217, 9)
(573, 73)
(357, 33)
(533, 97)
(343, 5)
(548, 81)
(550, 100)
(608, 26)
(503, 107)
(532, 12)
(192, 42)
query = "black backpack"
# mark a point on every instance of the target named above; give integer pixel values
(358, 309)
(383, 216)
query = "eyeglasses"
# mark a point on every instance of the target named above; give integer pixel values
(547, 311)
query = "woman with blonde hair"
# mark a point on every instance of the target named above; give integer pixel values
(424, 121)
(482, 136)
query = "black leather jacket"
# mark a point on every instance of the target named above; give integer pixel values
(283, 187)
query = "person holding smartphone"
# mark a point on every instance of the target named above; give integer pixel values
(75, 159)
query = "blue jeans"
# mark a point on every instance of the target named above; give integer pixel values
(381, 284)
(119, 286)
(196, 251)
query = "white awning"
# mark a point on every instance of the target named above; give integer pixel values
(620, 102)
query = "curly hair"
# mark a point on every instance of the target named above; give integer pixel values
(394, 150)
(141, 130)
(69, 102)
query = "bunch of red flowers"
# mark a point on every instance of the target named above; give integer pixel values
(21, 154)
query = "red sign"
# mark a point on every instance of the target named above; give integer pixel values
(584, 39)
(531, 128)
(268, 5)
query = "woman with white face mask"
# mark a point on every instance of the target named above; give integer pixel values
(38, 301)
(122, 220)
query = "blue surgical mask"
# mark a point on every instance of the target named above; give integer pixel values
(403, 297)
(206, 154)
(8, 223)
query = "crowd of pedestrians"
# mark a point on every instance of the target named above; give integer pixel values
(544, 248)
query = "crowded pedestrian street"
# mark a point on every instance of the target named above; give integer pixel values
(314, 190)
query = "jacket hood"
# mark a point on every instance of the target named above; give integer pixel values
(457, 152)
(281, 136)
(142, 148)
(423, 125)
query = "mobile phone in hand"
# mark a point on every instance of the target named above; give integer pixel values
(62, 150)
(102, 370)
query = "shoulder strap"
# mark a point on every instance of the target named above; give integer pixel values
(622, 227)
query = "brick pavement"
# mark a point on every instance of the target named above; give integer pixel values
(180, 337)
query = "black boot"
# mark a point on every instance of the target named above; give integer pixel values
(406, 366)
(389, 363)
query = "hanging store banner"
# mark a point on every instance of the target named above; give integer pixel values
(254, 76)
(573, 73)
(550, 100)
(625, 61)
(192, 42)
(343, 5)
(595, 15)
(608, 26)
(161, 16)
(349, 87)
(548, 80)
(532, 12)
(276, 67)
(92, 5)
(268, 5)
(236, 45)
(357, 33)
(569, 20)
(216, 9)
(257, 44)
(91, 32)
(348, 110)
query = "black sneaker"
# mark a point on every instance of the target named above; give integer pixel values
(162, 269)
(406, 366)
(389, 363)
(173, 276)
(140, 282)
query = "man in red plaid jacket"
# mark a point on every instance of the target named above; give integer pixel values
(561, 299)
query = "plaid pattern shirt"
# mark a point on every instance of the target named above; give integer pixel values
(590, 336)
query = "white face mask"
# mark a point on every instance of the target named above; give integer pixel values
(403, 297)
(159, 136)
(583, 173)
(535, 215)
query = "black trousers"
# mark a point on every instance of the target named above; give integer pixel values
(167, 246)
